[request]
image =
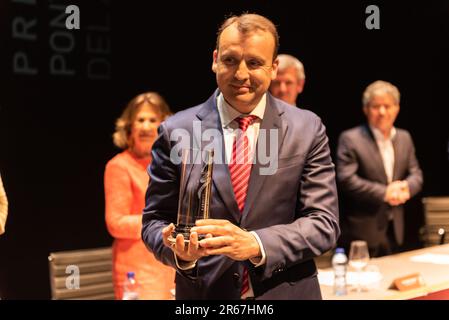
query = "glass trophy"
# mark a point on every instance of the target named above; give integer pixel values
(195, 191)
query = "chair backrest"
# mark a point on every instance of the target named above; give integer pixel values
(436, 215)
(94, 267)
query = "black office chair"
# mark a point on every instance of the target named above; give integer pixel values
(81, 274)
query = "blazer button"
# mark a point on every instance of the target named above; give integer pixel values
(236, 278)
(278, 269)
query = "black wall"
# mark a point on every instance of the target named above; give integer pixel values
(55, 130)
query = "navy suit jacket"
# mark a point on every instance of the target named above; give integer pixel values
(363, 181)
(294, 211)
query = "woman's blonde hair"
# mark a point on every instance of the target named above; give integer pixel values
(124, 123)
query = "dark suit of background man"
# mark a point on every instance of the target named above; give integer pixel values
(265, 247)
(378, 172)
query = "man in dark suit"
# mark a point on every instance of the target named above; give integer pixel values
(378, 172)
(265, 226)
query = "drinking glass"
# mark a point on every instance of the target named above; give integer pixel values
(358, 259)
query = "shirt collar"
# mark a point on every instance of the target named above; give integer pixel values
(228, 113)
(378, 135)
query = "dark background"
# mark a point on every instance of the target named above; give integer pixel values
(55, 131)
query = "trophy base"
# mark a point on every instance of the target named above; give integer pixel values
(185, 231)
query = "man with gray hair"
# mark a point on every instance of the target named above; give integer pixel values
(378, 172)
(290, 79)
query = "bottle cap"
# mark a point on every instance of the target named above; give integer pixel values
(340, 250)
(130, 274)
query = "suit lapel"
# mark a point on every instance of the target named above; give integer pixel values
(397, 156)
(271, 120)
(210, 119)
(371, 145)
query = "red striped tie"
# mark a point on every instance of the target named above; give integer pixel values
(240, 169)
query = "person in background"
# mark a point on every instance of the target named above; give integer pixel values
(125, 183)
(290, 79)
(3, 207)
(378, 172)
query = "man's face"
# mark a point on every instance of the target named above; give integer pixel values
(287, 86)
(381, 112)
(244, 67)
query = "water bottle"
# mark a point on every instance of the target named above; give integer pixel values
(339, 264)
(130, 287)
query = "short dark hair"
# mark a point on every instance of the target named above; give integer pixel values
(250, 22)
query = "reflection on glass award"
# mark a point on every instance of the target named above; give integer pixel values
(194, 191)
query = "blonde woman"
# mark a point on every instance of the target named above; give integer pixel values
(125, 183)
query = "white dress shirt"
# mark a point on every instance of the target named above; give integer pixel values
(227, 116)
(386, 150)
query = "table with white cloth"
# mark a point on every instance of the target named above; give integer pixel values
(431, 263)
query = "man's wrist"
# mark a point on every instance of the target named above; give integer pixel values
(260, 258)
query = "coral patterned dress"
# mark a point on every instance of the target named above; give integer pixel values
(125, 183)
